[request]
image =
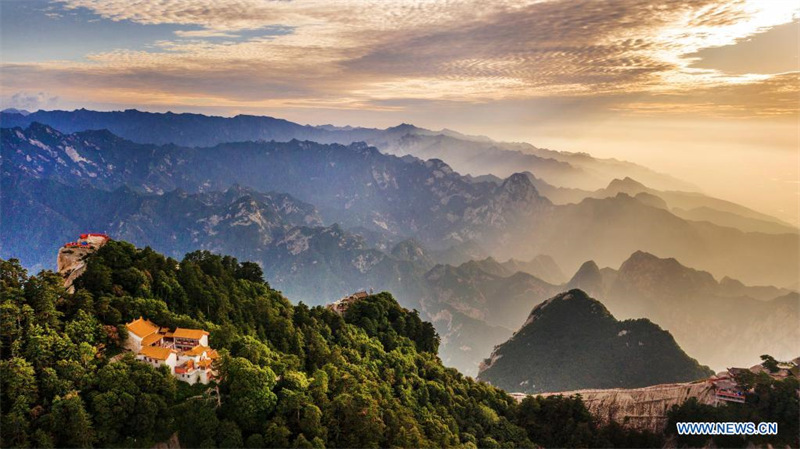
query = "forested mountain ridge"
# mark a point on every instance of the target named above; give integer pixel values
(302, 257)
(290, 375)
(572, 342)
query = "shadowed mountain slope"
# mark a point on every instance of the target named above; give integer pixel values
(572, 341)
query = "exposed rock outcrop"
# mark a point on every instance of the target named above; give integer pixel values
(640, 408)
(71, 262)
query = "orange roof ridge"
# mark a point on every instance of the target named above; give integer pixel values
(156, 352)
(194, 334)
(197, 350)
(141, 327)
(152, 338)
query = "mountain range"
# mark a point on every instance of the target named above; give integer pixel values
(327, 217)
(354, 185)
(361, 188)
(470, 155)
(476, 155)
(719, 323)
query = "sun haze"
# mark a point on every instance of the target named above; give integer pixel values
(704, 90)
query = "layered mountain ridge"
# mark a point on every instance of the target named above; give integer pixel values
(353, 185)
(467, 154)
(389, 199)
(719, 322)
(688, 205)
(326, 219)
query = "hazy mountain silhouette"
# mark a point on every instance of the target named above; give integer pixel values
(721, 323)
(476, 155)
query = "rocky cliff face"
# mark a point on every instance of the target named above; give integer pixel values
(71, 262)
(641, 408)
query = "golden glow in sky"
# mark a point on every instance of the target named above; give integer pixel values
(565, 72)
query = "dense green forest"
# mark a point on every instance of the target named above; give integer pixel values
(290, 375)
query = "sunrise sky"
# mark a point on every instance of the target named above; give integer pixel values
(705, 90)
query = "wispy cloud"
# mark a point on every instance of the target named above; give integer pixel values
(204, 34)
(361, 53)
(32, 101)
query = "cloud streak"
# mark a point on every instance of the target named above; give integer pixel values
(361, 54)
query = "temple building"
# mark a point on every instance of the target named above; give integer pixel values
(343, 304)
(185, 352)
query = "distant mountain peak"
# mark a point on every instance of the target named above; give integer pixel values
(651, 200)
(519, 186)
(574, 301)
(404, 127)
(542, 267)
(488, 265)
(627, 184)
(588, 276)
(642, 258)
(518, 178)
(644, 255)
(38, 127)
(666, 275)
(589, 265)
(413, 251)
(21, 112)
(731, 283)
(236, 188)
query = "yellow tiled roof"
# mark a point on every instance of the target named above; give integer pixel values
(156, 352)
(152, 338)
(141, 327)
(197, 350)
(212, 353)
(194, 334)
